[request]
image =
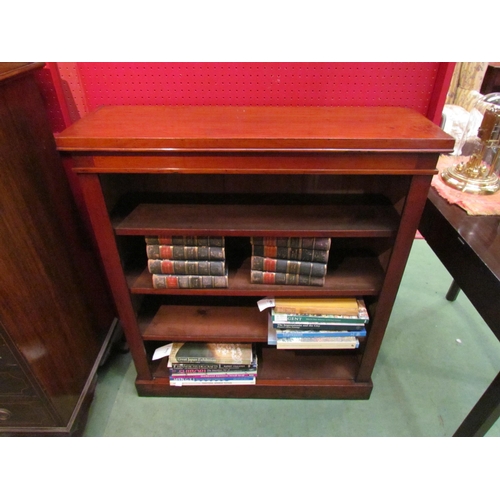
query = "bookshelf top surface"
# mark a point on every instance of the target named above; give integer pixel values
(261, 128)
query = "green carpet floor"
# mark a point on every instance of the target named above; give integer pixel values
(437, 359)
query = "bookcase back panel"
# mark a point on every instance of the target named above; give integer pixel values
(151, 186)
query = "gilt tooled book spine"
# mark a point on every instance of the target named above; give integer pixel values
(194, 241)
(311, 243)
(265, 278)
(194, 267)
(180, 252)
(288, 266)
(287, 253)
(189, 281)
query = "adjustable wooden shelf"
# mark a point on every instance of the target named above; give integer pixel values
(358, 175)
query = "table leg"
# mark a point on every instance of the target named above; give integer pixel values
(453, 291)
(484, 414)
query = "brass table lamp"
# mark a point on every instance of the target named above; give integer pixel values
(478, 173)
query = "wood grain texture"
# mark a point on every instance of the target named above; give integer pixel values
(10, 70)
(236, 128)
(222, 162)
(370, 220)
(48, 302)
(199, 153)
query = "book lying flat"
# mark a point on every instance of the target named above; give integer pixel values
(282, 320)
(318, 343)
(213, 376)
(193, 267)
(287, 253)
(211, 352)
(296, 334)
(189, 281)
(265, 278)
(360, 318)
(180, 383)
(333, 327)
(207, 369)
(337, 306)
(181, 252)
(274, 334)
(312, 243)
(194, 241)
(287, 266)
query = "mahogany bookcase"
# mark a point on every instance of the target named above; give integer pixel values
(359, 175)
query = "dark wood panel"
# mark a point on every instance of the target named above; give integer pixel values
(410, 218)
(54, 308)
(40, 281)
(14, 382)
(205, 323)
(311, 365)
(28, 412)
(469, 248)
(480, 232)
(223, 162)
(278, 389)
(10, 70)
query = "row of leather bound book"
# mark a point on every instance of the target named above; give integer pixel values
(187, 262)
(200, 262)
(289, 261)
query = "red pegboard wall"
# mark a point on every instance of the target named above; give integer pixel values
(86, 86)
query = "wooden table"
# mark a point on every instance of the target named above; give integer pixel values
(469, 248)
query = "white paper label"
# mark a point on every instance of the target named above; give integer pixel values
(162, 351)
(265, 303)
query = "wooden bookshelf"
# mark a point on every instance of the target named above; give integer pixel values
(357, 175)
(352, 220)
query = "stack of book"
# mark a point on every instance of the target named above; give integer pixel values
(187, 262)
(336, 323)
(289, 261)
(202, 363)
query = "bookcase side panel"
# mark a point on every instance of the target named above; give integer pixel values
(103, 230)
(412, 212)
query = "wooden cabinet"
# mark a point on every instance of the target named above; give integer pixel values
(357, 175)
(55, 309)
